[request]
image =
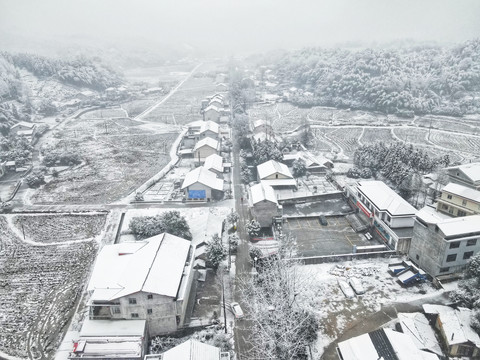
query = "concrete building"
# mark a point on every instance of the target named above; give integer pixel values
(203, 185)
(212, 113)
(442, 245)
(204, 148)
(192, 350)
(143, 280)
(455, 329)
(263, 204)
(275, 174)
(459, 200)
(467, 175)
(198, 130)
(214, 163)
(382, 344)
(106, 339)
(390, 215)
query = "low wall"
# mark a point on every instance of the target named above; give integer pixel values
(345, 257)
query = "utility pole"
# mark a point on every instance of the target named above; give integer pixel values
(224, 310)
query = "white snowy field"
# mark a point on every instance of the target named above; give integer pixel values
(321, 294)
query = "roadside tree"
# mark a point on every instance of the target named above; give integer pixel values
(216, 252)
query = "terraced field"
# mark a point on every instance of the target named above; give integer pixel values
(372, 135)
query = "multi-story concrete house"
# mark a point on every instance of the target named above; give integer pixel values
(459, 200)
(198, 130)
(143, 280)
(275, 174)
(203, 185)
(390, 215)
(467, 175)
(442, 245)
(212, 113)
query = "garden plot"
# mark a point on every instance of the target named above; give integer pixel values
(40, 286)
(185, 104)
(372, 135)
(113, 165)
(104, 113)
(335, 312)
(60, 228)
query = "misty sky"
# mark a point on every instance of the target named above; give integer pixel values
(229, 27)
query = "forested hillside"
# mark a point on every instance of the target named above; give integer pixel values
(80, 71)
(417, 80)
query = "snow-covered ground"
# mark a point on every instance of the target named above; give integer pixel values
(322, 295)
(204, 222)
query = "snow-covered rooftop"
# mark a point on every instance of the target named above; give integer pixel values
(384, 198)
(261, 192)
(456, 324)
(272, 167)
(460, 225)
(472, 170)
(358, 348)
(113, 328)
(431, 216)
(405, 348)
(214, 162)
(280, 182)
(213, 107)
(24, 124)
(115, 347)
(209, 125)
(208, 141)
(462, 191)
(202, 176)
(417, 326)
(192, 350)
(154, 265)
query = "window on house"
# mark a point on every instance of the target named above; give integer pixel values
(444, 269)
(389, 218)
(451, 257)
(417, 257)
(149, 296)
(134, 315)
(472, 242)
(149, 311)
(461, 213)
(464, 202)
(450, 211)
(444, 207)
(116, 310)
(132, 301)
(455, 245)
(467, 255)
(449, 197)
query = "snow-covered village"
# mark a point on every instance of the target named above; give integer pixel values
(223, 180)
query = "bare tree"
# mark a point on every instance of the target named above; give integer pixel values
(283, 330)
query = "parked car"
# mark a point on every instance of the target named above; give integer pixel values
(237, 310)
(346, 289)
(357, 286)
(323, 220)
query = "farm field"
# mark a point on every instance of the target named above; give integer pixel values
(411, 135)
(155, 74)
(464, 143)
(371, 135)
(40, 286)
(60, 228)
(345, 138)
(184, 106)
(117, 157)
(104, 113)
(449, 124)
(136, 107)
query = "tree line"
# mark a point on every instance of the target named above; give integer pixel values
(407, 81)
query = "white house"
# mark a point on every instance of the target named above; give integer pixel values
(466, 175)
(23, 128)
(214, 163)
(391, 216)
(275, 174)
(312, 163)
(263, 204)
(212, 113)
(148, 280)
(202, 184)
(204, 148)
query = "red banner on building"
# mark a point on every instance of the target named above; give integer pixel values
(366, 212)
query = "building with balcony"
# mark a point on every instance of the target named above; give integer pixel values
(143, 280)
(459, 200)
(387, 212)
(442, 245)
